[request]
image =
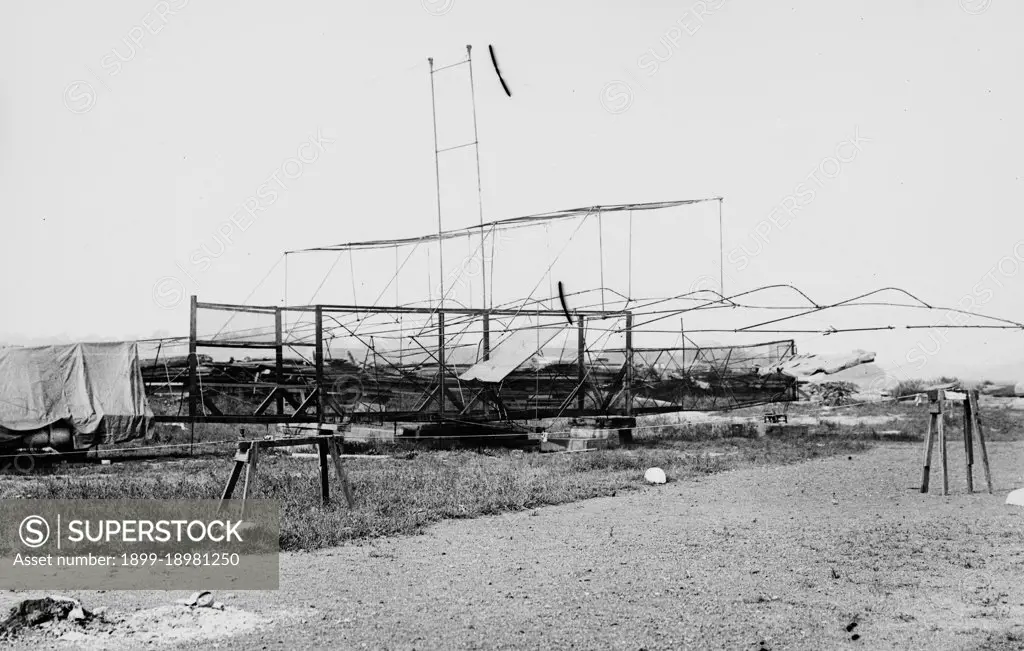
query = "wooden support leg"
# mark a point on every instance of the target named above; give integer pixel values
(975, 412)
(941, 423)
(929, 441)
(325, 484)
(240, 460)
(250, 474)
(342, 475)
(968, 444)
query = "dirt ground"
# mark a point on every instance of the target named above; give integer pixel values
(825, 554)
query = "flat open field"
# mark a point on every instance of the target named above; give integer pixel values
(823, 553)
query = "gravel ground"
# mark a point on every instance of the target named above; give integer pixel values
(826, 554)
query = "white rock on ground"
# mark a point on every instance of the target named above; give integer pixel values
(655, 476)
(1016, 497)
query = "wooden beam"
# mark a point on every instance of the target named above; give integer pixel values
(976, 413)
(486, 356)
(232, 480)
(581, 372)
(628, 379)
(473, 401)
(312, 398)
(250, 474)
(279, 357)
(193, 361)
(441, 369)
(325, 483)
(266, 403)
(210, 343)
(929, 441)
(968, 445)
(319, 361)
(290, 399)
(210, 405)
(942, 446)
(289, 441)
(346, 487)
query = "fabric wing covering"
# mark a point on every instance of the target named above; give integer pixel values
(511, 353)
(96, 387)
(806, 365)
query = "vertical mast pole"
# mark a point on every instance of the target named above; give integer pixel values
(437, 177)
(721, 261)
(479, 182)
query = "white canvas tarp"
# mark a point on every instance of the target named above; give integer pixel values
(511, 353)
(95, 387)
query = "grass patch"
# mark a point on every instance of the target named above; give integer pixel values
(402, 494)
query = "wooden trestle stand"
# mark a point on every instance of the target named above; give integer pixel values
(972, 425)
(327, 443)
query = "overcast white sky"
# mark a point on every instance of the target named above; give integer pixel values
(110, 186)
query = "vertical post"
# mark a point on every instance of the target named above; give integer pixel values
(487, 350)
(250, 471)
(721, 261)
(346, 486)
(682, 362)
(401, 322)
(627, 378)
(440, 370)
(318, 360)
(437, 180)
(479, 184)
(487, 336)
(193, 367)
(279, 361)
(929, 441)
(968, 445)
(629, 262)
(581, 373)
(976, 413)
(325, 477)
(236, 472)
(941, 425)
(600, 250)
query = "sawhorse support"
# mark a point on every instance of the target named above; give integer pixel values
(326, 442)
(936, 427)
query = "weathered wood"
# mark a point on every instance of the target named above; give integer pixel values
(325, 483)
(346, 487)
(443, 391)
(929, 441)
(278, 359)
(232, 480)
(287, 441)
(318, 359)
(253, 465)
(266, 403)
(981, 439)
(193, 361)
(296, 404)
(269, 309)
(486, 356)
(628, 380)
(209, 404)
(247, 456)
(968, 452)
(941, 425)
(248, 474)
(312, 398)
(214, 343)
(581, 372)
